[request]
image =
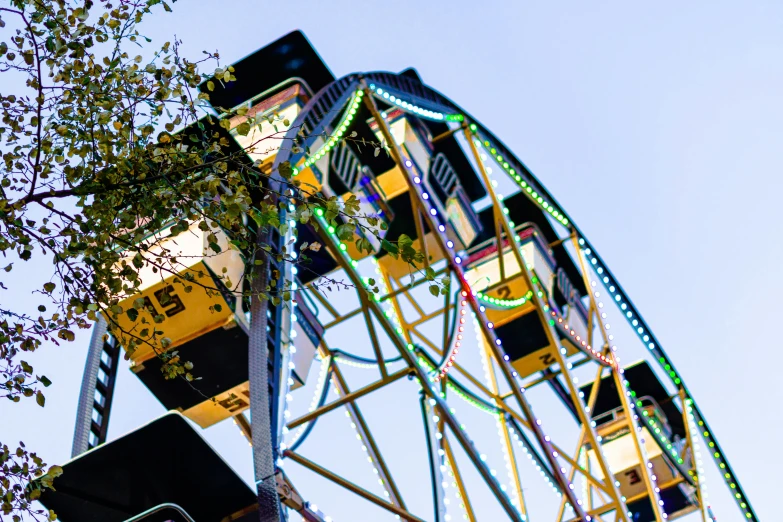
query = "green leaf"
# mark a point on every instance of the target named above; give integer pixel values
(218, 308)
(138, 261)
(391, 248)
(45, 381)
(243, 129)
(211, 85)
(49, 287)
(435, 290)
(133, 314)
(345, 231)
(286, 170)
(40, 399)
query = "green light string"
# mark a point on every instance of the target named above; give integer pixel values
(503, 163)
(655, 428)
(504, 303)
(424, 363)
(337, 136)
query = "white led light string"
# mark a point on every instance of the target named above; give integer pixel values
(440, 457)
(290, 348)
(500, 425)
(411, 107)
(448, 468)
(360, 438)
(317, 392)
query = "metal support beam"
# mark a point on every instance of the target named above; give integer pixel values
(436, 476)
(364, 432)
(463, 492)
(96, 394)
(348, 397)
(350, 486)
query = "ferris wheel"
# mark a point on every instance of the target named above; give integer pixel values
(481, 378)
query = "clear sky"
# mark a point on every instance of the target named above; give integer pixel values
(657, 126)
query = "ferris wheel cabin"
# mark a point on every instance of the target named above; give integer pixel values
(196, 303)
(162, 472)
(663, 436)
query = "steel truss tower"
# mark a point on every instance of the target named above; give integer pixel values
(524, 281)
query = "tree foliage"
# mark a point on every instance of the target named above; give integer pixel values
(96, 164)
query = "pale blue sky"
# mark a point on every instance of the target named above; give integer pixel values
(658, 127)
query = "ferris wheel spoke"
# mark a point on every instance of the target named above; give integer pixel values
(350, 486)
(349, 397)
(374, 454)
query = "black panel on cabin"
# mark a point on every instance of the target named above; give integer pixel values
(219, 357)
(560, 299)
(210, 127)
(362, 143)
(523, 336)
(563, 259)
(644, 382)
(521, 210)
(322, 261)
(165, 461)
(674, 500)
(288, 57)
(403, 222)
(468, 177)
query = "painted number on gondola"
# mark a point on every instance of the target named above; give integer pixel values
(234, 403)
(547, 359)
(173, 304)
(504, 292)
(634, 477)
